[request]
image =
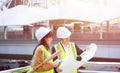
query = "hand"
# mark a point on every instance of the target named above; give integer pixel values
(118, 67)
(82, 67)
(87, 48)
(55, 64)
(58, 69)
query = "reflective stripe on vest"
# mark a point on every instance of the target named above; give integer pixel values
(43, 48)
(58, 47)
(73, 49)
(44, 57)
(46, 52)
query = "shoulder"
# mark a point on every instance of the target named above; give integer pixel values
(40, 48)
(56, 44)
(72, 43)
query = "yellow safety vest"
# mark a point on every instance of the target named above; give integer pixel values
(71, 51)
(45, 54)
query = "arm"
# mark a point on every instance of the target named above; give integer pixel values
(79, 51)
(38, 64)
(53, 51)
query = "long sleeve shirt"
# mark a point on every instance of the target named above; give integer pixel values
(37, 64)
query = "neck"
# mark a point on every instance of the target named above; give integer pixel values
(65, 43)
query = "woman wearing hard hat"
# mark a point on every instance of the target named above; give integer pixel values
(42, 51)
(66, 47)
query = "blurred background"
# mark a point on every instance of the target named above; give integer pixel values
(90, 21)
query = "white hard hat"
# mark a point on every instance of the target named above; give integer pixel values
(63, 32)
(41, 32)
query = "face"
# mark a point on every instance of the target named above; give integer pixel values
(49, 40)
(66, 40)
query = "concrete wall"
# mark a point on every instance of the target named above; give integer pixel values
(103, 51)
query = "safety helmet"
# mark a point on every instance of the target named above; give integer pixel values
(41, 32)
(63, 32)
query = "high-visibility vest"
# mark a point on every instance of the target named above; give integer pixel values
(71, 52)
(45, 54)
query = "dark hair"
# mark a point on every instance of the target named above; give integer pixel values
(43, 41)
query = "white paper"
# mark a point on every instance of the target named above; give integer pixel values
(69, 65)
(89, 53)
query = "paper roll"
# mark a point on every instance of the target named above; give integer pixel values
(89, 52)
